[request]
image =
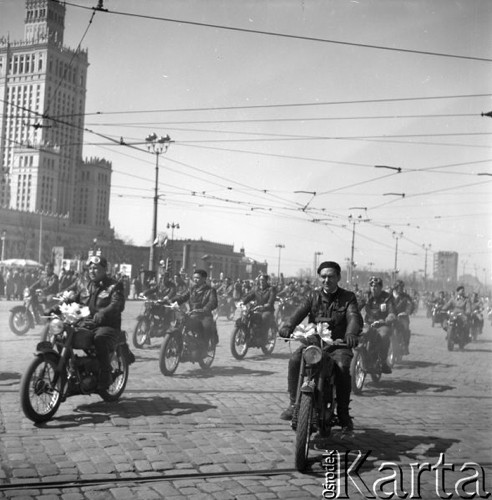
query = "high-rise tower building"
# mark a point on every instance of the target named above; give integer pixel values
(42, 106)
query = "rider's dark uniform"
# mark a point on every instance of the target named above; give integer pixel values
(202, 301)
(341, 311)
(106, 301)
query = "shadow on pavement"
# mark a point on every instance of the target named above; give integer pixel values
(13, 376)
(412, 365)
(394, 387)
(127, 407)
(223, 371)
(382, 446)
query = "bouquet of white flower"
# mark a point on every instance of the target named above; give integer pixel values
(74, 311)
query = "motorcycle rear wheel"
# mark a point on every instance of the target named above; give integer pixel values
(303, 431)
(357, 373)
(239, 343)
(19, 321)
(141, 333)
(170, 354)
(206, 361)
(271, 341)
(40, 398)
(119, 372)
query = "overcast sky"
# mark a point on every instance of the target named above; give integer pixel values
(295, 98)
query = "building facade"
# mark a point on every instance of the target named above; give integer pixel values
(446, 266)
(42, 107)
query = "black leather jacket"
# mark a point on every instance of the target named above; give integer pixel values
(264, 297)
(106, 301)
(340, 308)
(203, 298)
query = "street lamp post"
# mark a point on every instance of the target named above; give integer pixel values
(172, 226)
(426, 249)
(279, 246)
(156, 145)
(4, 236)
(353, 220)
(397, 236)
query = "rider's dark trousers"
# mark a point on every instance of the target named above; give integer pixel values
(404, 325)
(105, 338)
(342, 358)
(203, 324)
(266, 319)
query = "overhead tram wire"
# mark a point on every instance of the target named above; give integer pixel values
(280, 120)
(285, 35)
(286, 105)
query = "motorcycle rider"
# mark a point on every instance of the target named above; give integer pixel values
(476, 308)
(264, 296)
(164, 290)
(226, 291)
(404, 307)
(48, 283)
(202, 300)
(460, 305)
(105, 298)
(340, 307)
(379, 306)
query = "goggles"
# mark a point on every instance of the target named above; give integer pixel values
(373, 281)
(96, 259)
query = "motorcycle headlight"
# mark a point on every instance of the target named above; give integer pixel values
(56, 326)
(26, 293)
(312, 355)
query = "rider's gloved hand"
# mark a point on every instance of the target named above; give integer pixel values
(351, 340)
(390, 317)
(285, 332)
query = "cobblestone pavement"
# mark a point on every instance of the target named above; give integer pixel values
(217, 435)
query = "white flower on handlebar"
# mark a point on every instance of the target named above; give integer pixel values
(74, 312)
(305, 331)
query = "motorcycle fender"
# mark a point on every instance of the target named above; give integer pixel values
(308, 386)
(48, 353)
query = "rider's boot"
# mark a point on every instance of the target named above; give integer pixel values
(343, 387)
(102, 354)
(292, 389)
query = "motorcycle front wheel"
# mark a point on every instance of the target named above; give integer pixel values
(208, 357)
(170, 354)
(449, 340)
(119, 373)
(19, 320)
(390, 360)
(40, 395)
(270, 343)
(239, 342)
(141, 334)
(357, 373)
(303, 431)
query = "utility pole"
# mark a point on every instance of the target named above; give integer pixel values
(156, 145)
(279, 246)
(426, 248)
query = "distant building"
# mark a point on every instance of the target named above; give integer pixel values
(446, 266)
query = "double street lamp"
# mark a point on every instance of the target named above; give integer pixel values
(156, 145)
